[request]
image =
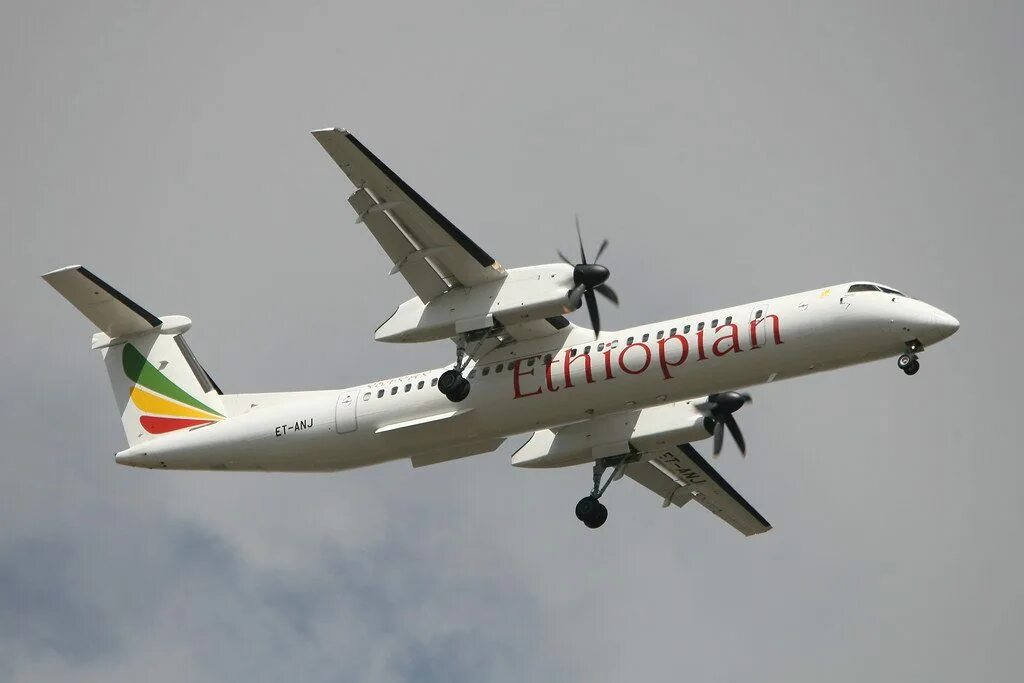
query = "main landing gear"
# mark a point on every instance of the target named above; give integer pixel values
(908, 362)
(590, 510)
(451, 383)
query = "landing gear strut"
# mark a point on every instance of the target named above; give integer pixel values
(451, 383)
(590, 510)
(908, 362)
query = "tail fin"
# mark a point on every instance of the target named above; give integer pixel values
(158, 384)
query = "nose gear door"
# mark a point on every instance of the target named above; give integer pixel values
(345, 412)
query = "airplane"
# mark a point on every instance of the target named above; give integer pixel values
(629, 402)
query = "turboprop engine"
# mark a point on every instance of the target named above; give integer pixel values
(524, 295)
(613, 435)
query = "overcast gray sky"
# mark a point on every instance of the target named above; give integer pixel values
(729, 151)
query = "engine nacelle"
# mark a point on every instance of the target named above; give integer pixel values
(644, 430)
(525, 294)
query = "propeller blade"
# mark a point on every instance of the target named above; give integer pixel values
(562, 256)
(734, 429)
(576, 296)
(608, 293)
(600, 250)
(595, 317)
(583, 254)
(719, 437)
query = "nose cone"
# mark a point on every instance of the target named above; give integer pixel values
(932, 325)
(945, 324)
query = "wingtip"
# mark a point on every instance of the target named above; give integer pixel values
(326, 131)
(58, 271)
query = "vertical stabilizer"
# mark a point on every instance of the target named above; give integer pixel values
(159, 385)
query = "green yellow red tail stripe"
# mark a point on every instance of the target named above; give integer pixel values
(166, 407)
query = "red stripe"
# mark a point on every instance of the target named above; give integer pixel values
(162, 425)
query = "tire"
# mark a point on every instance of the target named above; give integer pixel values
(585, 508)
(905, 361)
(460, 392)
(912, 368)
(448, 381)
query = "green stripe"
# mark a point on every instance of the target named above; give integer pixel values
(141, 371)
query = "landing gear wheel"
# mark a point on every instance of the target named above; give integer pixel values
(448, 380)
(591, 512)
(905, 361)
(912, 368)
(460, 392)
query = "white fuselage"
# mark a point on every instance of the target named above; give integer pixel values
(516, 389)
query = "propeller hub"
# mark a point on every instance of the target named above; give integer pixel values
(726, 403)
(590, 274)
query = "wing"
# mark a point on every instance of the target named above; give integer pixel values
(426, 248)
(679, 474)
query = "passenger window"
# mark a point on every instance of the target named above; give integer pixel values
(530, 361)
(420, 385)
(586, 350)
(646, 336)
(572, 352)
(511, 365)
(408, 387)
(629, 340)
(366, 396)
(661, 334)
(486, 371)
(686, 330)
(380, 394)
(728, 320)
(499, 367)
(757, 316)
(672, 332)
(600, 347)
(700, 326)
(472, 373)
(714, 323)
(433, 382)
(547, 359)
(394, 390)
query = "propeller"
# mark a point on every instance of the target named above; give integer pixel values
(589, 278)
(718, 410)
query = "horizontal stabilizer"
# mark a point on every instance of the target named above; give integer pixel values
(111, 311)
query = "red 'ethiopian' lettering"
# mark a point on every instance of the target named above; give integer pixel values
(684, 350)
(775, 330)
(673, 352)
(647, 361)
(608, 363)
(547, 375)
(570, 359)
(515, 380)
(733, 337)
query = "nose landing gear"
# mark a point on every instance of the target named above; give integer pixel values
(590, 510)
(908, 362)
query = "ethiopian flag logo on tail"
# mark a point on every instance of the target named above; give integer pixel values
(166, 407)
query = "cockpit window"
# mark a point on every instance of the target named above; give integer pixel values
(888, 290)
(861, 287)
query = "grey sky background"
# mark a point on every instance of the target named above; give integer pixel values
(729, 151)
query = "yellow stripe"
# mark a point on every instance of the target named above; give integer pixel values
(151, 403)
